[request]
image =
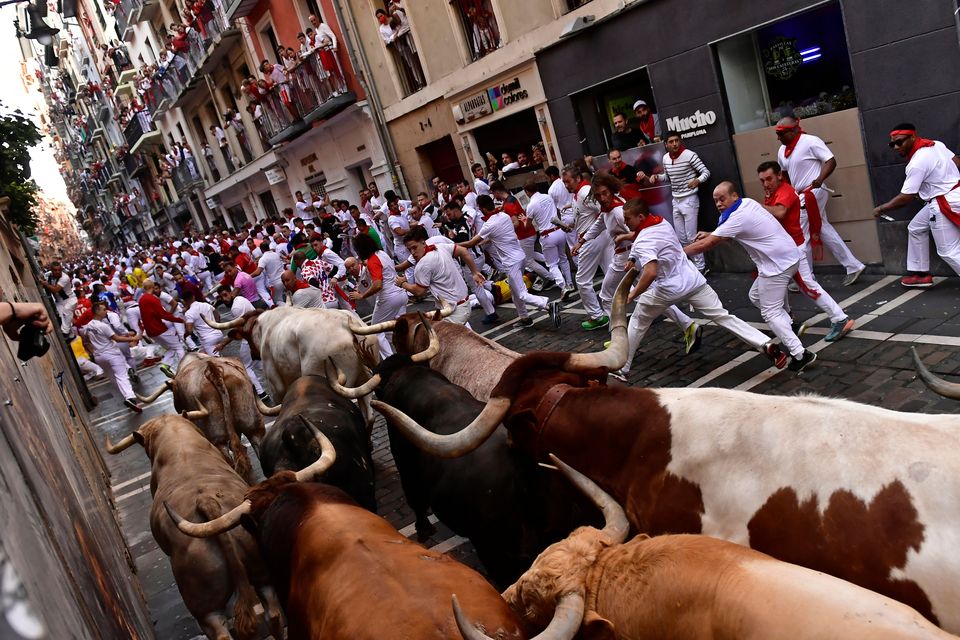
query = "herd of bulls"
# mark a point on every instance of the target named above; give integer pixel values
(754, 516)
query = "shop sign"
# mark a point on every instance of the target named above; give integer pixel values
(275, 175)
(507, 94)
(782, 58)
(693, 125)
(475, 107)
(212, 203)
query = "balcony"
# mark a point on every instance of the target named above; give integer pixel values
(122, 15)
(133, 164)
(207, 45)
(312, 94)
(186, 176)
(479, 26)
(140, 130)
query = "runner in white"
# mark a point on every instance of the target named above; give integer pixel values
(685, 172)
(542, 212)
(390, 301)
(60, 285)
(302, 294)
(933, 175)
(102, 340)
(807, 162)
(239, 307)
(208, 337)
(586, 211)
(777, 258)
(272, 267)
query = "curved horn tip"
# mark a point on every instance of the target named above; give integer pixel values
(467, 629)
(125, 443)
(616, 525)
(269, 411)
(935, 383)
(433, 348)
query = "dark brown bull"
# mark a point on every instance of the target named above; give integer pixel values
(865, 494)
(216, 394)
(189, 474)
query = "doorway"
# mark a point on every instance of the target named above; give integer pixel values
(441, 156)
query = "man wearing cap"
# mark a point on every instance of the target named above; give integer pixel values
(933, 175)
(807, 163)
(647, 121)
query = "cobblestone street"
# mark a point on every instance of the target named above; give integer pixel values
(871, 365)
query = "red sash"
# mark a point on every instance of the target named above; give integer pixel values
(815, 222)
(945, 209)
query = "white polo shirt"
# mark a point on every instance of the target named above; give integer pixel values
(241, 306)
(272, 266)
(561, 197)
(805, 161)
(195, 315)
(677, 277)
(498, 229)
(762, 236)
(481, 187)
(931, 172)
(438, 271)
(99, 334)
(541, 211)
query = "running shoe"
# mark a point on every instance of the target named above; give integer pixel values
(134, 378)
(853, 277)
(538, 284)
(774, 352)
(620, 375)
(526, 322)
(917, 282)
(567, 292)
(554, 309)
(801, 363)
(490, 319)
(839, 329)
(167, 370)
(691, 338)
(132, 405)
(595, 323)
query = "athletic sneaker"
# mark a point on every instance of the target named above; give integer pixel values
(804, 361)
(134, 378)
(554, 309)
(265, 398)
(595, 323)
(917, 282)
(607, 343)
(167, 370)
(620, 375)
(132, 405)
(526, 321)
(567, 292)
(853, 277)
(774, 352)
(537, 284)
(691, 338)
(839, 329)
(490, 319)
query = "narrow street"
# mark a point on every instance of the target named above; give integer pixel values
(871, 365)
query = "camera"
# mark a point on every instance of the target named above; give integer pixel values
(32, 343)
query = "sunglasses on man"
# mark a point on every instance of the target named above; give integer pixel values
(899, 142)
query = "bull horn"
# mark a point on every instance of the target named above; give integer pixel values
(327, 457)
(617, 526)
(156, 394)
(614, 356)
(567, 618)
(236, 322)
(214, 527)
(370, 329)
(268, 411)
(433, 348)
(202, 412)
(446, 310)
(127, 442)
(936, 384)
(337, 380)
(454, 444)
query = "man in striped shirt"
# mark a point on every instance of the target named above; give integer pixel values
(685, 171)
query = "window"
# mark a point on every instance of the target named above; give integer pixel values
(269, 204)
(479, 26)
(269, 41)
(395, 31)
(798, 67)
(575, 4)
(317, 183)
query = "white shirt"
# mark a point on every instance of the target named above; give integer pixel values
(762, 236)
(241, 306)
(66, 282)
(610, 224)
(931, 172)
(541, 211)
(438, 271)
(585, 210)
(324, 31)
(302, 211)
(561, 197)
(427, 224)
(805, 161)
(195, 315)
(677, 277)
(309, 298)
(481, 187)
(99, 334)
(272, 266)
(498, 229)
(399, 226)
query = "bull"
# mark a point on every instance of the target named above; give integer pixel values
(507, 505)
(689, 586)
(294, 342)
(868, 495)
(289, 445)
(215, 394)
(344, 573)
(190, 474)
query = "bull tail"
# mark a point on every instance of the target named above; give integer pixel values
(244, 617)
(241, 462)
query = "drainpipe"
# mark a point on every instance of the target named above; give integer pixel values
(360, 65)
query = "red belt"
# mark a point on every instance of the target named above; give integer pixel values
(544, 234)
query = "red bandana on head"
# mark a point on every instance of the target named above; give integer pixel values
(788, 127)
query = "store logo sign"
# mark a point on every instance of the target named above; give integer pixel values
(782, 58)
(506, 94)
(475, 107)
(693, 125)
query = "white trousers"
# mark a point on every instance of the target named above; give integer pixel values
(704, 299)
(208, 346)
(277, 286)
(460, 315)
(246, 359)
(261, 283)
(811, 288)
(518, 291)
(946, 236)
(206, 280)
(133, 318)
(828, 235)
(591, 256)
(115, 365)
(767, 294)
(484, 297)
(124, 348)
(533, 260)
(554, 245)
(685, 213)
(170, 341)
(88, 368)
(65, 310)
(388, 308)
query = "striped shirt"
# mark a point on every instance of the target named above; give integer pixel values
(681, 171)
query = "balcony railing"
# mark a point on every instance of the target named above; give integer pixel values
(133, 163)
(186, 176)
(140, 124)
(313, 91)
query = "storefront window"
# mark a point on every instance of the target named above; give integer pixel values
(796, 67)
(479, 26)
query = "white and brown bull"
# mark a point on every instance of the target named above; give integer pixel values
(216, 394)
(865, 494)
(294, 341)
(596, 586)
(190, 474)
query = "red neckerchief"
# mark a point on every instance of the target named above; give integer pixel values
(789, 147)
(649, 221)
(300, 284)
(919, 143)
(616, 202)
(680, 150)
(583, 183)
(648, 127)
(429, 248)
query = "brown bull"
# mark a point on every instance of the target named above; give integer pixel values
(687, 587)
(344, 573)
(216, 394)
(189, 474)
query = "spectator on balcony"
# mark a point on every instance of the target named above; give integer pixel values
(224, 144)
(211, 162)
(396, 35)
(276, 80)
(235, 121)
(328, 54)
(289, 59)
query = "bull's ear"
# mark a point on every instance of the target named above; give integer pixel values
(139, 438)
(437, 316)
(595, 627)
(235, 334)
